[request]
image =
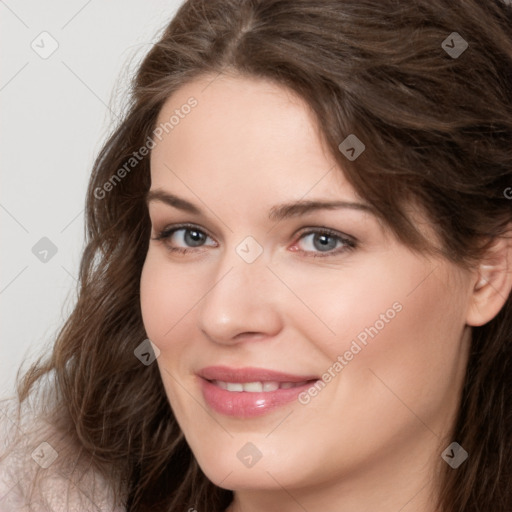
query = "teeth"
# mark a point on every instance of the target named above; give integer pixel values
(270, 386)
(253, 387)
(256, 387)
(234, 386)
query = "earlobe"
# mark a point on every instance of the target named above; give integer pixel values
(492, 283)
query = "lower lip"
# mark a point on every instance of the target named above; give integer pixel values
(244, 404)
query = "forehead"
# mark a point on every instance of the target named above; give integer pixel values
(247, 145)
(243, 136)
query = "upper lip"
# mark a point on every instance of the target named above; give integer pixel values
(248, 374)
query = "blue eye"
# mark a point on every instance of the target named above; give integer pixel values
(324, 242)
(188, 236)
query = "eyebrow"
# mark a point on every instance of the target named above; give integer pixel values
(171, 200)
(298, 208)
(276, 213)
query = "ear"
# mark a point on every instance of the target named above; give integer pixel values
(492, 282)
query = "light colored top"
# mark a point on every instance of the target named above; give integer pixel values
(31, 447)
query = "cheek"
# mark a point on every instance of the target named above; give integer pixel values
(393, 316)
(167, 295)
(426, 340)
(152, 296)
(415, 359)
(333, 306)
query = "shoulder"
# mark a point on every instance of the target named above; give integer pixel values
(39, 471)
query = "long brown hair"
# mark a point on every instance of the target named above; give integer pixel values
(438, 132)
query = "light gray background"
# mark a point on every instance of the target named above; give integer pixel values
(56, 113)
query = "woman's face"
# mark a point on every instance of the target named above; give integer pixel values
(368, 340)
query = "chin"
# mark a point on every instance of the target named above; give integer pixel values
(229, 472)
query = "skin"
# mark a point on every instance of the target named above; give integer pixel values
(372, 438)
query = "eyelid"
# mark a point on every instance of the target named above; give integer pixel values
(324, 230)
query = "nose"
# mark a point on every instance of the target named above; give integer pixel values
(242, 304)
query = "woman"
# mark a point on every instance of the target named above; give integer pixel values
(305, 209)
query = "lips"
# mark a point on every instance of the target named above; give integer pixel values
(249, 392)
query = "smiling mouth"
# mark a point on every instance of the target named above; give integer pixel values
(248, 392)
(251, 398)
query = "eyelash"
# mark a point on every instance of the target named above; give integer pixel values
(349, 242)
